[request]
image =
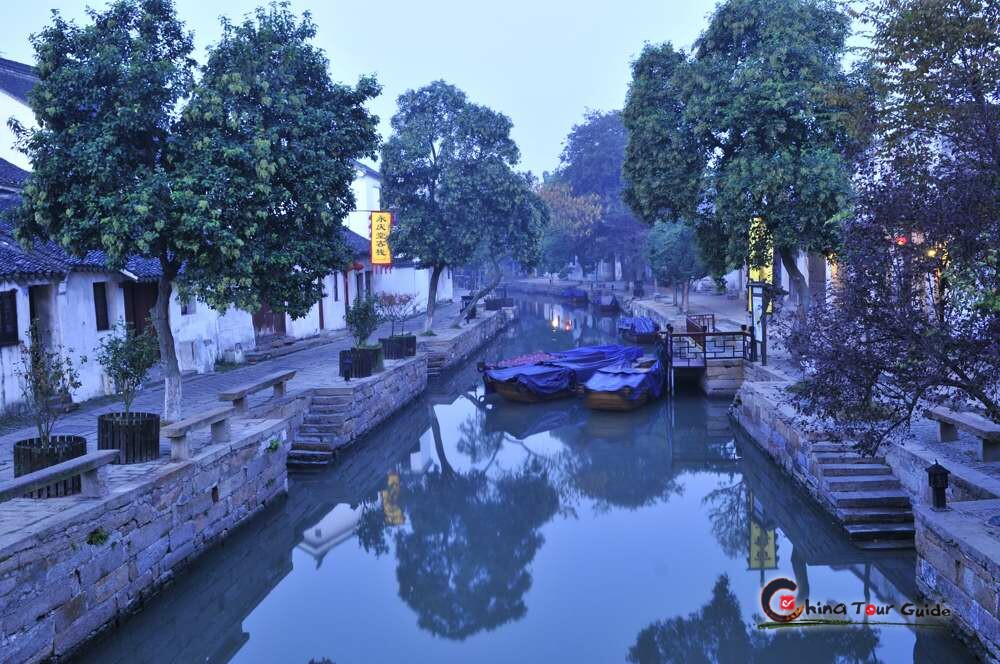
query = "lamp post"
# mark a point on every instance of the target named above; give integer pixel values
(937, 478)
(758, 315)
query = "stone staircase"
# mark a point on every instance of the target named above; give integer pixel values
(320, 432)
(866, 496)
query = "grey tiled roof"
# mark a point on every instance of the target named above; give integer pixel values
(17, 79)
(368, 170)
(356, 243)
(11, 176)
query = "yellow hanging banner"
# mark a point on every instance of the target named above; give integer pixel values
(381, 225)
(760, 240)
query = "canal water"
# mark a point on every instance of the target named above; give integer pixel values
(470, 530)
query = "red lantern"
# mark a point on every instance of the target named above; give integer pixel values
(356, 266)
(902, 240)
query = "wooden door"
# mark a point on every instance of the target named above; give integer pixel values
(140, 298)
(268, 323)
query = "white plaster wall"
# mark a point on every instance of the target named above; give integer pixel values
(10, 107)
(202, 337)
(78, 333)
(367, 196)
(10, 356)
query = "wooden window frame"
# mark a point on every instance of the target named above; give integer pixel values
(8, 310)
(102, 316)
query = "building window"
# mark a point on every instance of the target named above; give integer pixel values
(8, 318)
(101, 305)
(188, 307)
(336, 287)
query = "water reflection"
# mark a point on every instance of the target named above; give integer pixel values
(468, 530)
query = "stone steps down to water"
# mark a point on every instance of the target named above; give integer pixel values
(867, 497)
(339, 415)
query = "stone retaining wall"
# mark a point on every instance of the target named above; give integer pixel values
(452, 346)
(366, 402)
(958, 564)
(74, 565)
(773, 425)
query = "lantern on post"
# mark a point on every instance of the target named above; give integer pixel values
(937, 478)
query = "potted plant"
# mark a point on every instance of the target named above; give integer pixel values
(47, 378)
(364, 359)
(398, 308)
(127, 357)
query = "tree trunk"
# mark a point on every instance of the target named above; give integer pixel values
(168, 354)
(686, 294)
(432, 297)
(800, 289)
(446, 469)
(482, 292)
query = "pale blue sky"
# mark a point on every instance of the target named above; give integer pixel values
(541, 62)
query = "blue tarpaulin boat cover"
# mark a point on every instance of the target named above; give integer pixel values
(638, 324)
(618, 376)
(567, 369)
(574, 293)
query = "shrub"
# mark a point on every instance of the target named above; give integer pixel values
(127, 356)
(45, 375)
(362, 318)
(397, 308)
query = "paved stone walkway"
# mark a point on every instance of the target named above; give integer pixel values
(315, 366)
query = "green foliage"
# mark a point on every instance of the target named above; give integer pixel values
(234, 176)
(447, 171)
(663, 162)
(363, 317)
(274, 445)
(46, 376)
(591, 165)
(127, 357)
(97, 537)
(397, 308)
(673, 253)
(757, 122)
(573, 224)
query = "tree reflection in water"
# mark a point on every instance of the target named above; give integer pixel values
(729, 516)
(717, 633)
(463, 559)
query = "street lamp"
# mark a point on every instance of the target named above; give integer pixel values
(937, 478)
(758, 315)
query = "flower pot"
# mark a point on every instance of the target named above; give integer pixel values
(399, 346)
(34, 454)
(360, 362)
(135, 435)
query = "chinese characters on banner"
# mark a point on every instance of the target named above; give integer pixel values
(381, 225)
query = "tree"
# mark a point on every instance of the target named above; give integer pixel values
(591, 164)
(914, 318)
(447, 173)
(126, 357)
(764, 106)
(674, 256)
(229, 192)
(46, 376)
(573, 224)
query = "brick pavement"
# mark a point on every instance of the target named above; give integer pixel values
(315, 367)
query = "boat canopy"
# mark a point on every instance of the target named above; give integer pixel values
(566, 368)
(618, 376)
(573, 293)
(638, 324)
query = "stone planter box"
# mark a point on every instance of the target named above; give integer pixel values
(135, 435)
(399, 346)
(33, 454)
(360, 362)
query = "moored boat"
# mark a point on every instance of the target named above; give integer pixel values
(624, 386)
(557, 375)
(638, 329)
(605, 303)
(575, 294)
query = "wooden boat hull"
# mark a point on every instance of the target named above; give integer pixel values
(520, 394)
(634, 338)
(616, 401)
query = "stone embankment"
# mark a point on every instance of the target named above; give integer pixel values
(72, 566)
(343, 411)
(884, 501)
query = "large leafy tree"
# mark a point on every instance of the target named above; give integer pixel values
(235, 185)
(675, 257)
(447, 172)
(763, 106)
(573, 224)
(591, 165)
(915, 317)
